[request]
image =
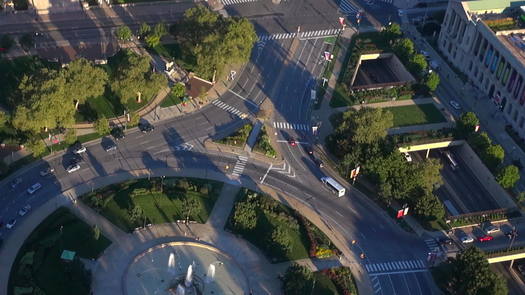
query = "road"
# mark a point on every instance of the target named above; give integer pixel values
(282, 71)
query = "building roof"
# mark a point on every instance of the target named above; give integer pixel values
(67, 255)
(492, 5)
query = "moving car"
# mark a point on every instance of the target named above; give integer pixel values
(485, 238)
(11, 224)
(118, 133)
(72, 168)
(455, 105)
(16, 182)
(407, 157)
(308, 149)
(35, 187)
(146, 127)
(78, 148)
(292, 142)
(24, 210)
(47, 172)
(467, 239)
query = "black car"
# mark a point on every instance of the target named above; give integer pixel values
(146, 127)
(118, 133)
(446, 241)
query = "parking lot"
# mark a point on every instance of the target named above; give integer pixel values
(461, 191)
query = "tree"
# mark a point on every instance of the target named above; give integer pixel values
(26, 41)
(296, 280)
(6, 42)
(508, 176)
(245, 216)
(83, 80)
(467, 124)
(37, 146)
(70, 136)
(3, 118)
(417, 64)
(124, 33)
(469, 274)
(431, 81)
(493, 156)
(367, 125)
(144, 30)
(152, 40)
(429, 206)
(43, 103)
(134, 119)
(102, 126)
(404, 49)
(154, 37)
(479, 141)
(428, 174)
(160, 30)
(136, 213)
(96, 232)
(178, 90)
(190, 204)
(392, 31)
(135, 79)
(281, 239)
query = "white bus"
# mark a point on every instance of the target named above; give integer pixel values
(334, 186)
(451, 161)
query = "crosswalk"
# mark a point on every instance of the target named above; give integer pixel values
(229, 108)
(239, 165)
(396, 266)
(376, 285)
(294, 126)
(432, 245)
(234, 2)
(348, 8)
(302, 35)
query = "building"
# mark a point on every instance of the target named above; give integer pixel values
(485, 39)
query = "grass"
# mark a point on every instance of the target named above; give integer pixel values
(59, 231)
(263, 144)
(170, 100)
(238, 138)
(323, 285)
(160, 201)
(416, 115)
(175, 52)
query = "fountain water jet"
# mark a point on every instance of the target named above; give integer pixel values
(210, 274)
(180, 290)
(171, 263)
(189, 276)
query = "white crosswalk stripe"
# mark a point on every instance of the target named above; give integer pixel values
(302, 35)
(294, 126)
(229, 109)
(432, 245)
(239, 165)
(234, 2)
(395, 266)
(348, 8)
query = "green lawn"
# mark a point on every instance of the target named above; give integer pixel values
(263, 144)
(323, 285)
(170, 100)
(238, 138)
(41, 266)
(416, 114)
(159, 205)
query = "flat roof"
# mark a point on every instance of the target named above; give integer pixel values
(482, 5)
(515, 43)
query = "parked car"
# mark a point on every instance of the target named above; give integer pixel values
(24, 210)
(47, 171)
(485, 238)
(455, 105)
(11, 224)
(467, 239)
(490, 228)
(446, 241)
(35, 187)
(110, 147)
(72, 168)
(118, 133)
(16, 182)
(146, 127)
(78, 148)
(407, 157)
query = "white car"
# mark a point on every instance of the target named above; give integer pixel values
(79, 149)
(11, 224)
(455, 105)
(72, 168)
(467, 239)
(407, 157)
(491, 229)
(34, 188)
(24, 210)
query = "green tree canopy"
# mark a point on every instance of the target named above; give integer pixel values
(102, 126)
(124, 33)
(429, 206)
(493, 156)
(144, 30)
(245, 216)
(6, 42)
(27, 41)
(431, 81)
(178, 90)
(134, 78)
(83, 80)
(404, 49)
(479, 140)
(417, 64)
(297, 279)
(392, 31)
(281, 239)
(367, 125)
(467, 124)
(508, 176)
(215, 41)
(44, 102)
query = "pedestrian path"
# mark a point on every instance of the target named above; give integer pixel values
(395, 267)
(348, 8)
(294, 126)
(302, 35)
(239, 165)
(229, 109)
(222, 208)
(235, 2)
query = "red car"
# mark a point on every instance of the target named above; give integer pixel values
(485, 238)
(292, 142)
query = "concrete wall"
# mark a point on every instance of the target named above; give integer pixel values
(506, 258)
(485, 177)
(433, 145)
